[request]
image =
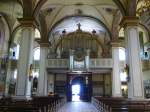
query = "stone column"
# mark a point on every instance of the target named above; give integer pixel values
(8, 78)
(87, 59)
(42, 80)
(135, 80)
(25, 62)
(116, 82)
(71, 59)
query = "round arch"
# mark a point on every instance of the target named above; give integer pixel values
(95, 38)
(146, 30)
(4, 35)
(122, 56)
(141, 27)
(75, 79)
(120, 6)
(42, 2)
(36, 53)
(86, 16)
(15, 40)
(18, 28)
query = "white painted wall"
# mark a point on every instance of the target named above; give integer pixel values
(146, 75)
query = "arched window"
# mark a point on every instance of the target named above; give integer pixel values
(123, 76)
(122, 56)
(15, 74)
(36, 73)
(121, 32)
(14, 52)
(37, 54)
(37, 33)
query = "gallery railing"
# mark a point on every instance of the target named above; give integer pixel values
(57, 63)
(93, 63)
(101, 63)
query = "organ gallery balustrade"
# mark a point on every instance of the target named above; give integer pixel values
(93, 63)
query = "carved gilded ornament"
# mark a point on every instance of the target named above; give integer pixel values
(129, 21)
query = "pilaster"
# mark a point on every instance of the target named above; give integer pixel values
(87, 59)
(116, 82)
(133, 60)
(71, 59)
(42, 86)
(25, 62)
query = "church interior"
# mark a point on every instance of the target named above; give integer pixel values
(64, 55)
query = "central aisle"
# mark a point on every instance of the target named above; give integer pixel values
(78, 107)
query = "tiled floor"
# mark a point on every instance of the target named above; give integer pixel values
(78, 107)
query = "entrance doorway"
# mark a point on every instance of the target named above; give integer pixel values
(76, 92)
(79, 87)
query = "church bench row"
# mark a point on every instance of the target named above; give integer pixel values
(37, 104)
(22, 108)
(48, 103)
(120, 105)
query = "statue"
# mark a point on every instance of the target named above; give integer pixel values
(79, 26)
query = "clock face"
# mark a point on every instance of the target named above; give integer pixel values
(79, 55)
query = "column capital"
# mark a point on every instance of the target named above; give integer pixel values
(116, 44)
(44, 44)
(27, 22)
(129, 21)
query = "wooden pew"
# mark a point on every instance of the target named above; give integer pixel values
(120, 105)
(48, 103)
(37, 104)
(17, 106)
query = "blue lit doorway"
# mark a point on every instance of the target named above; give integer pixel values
(76, 89)
(79, 87)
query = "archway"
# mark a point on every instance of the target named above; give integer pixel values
(4, 45)
(79, 86)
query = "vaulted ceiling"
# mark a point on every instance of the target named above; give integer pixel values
(48, 13)
(54, 11)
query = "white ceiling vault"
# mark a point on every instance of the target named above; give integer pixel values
(71, 24)
(83, 23)
(55, 11)
(48, 13)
